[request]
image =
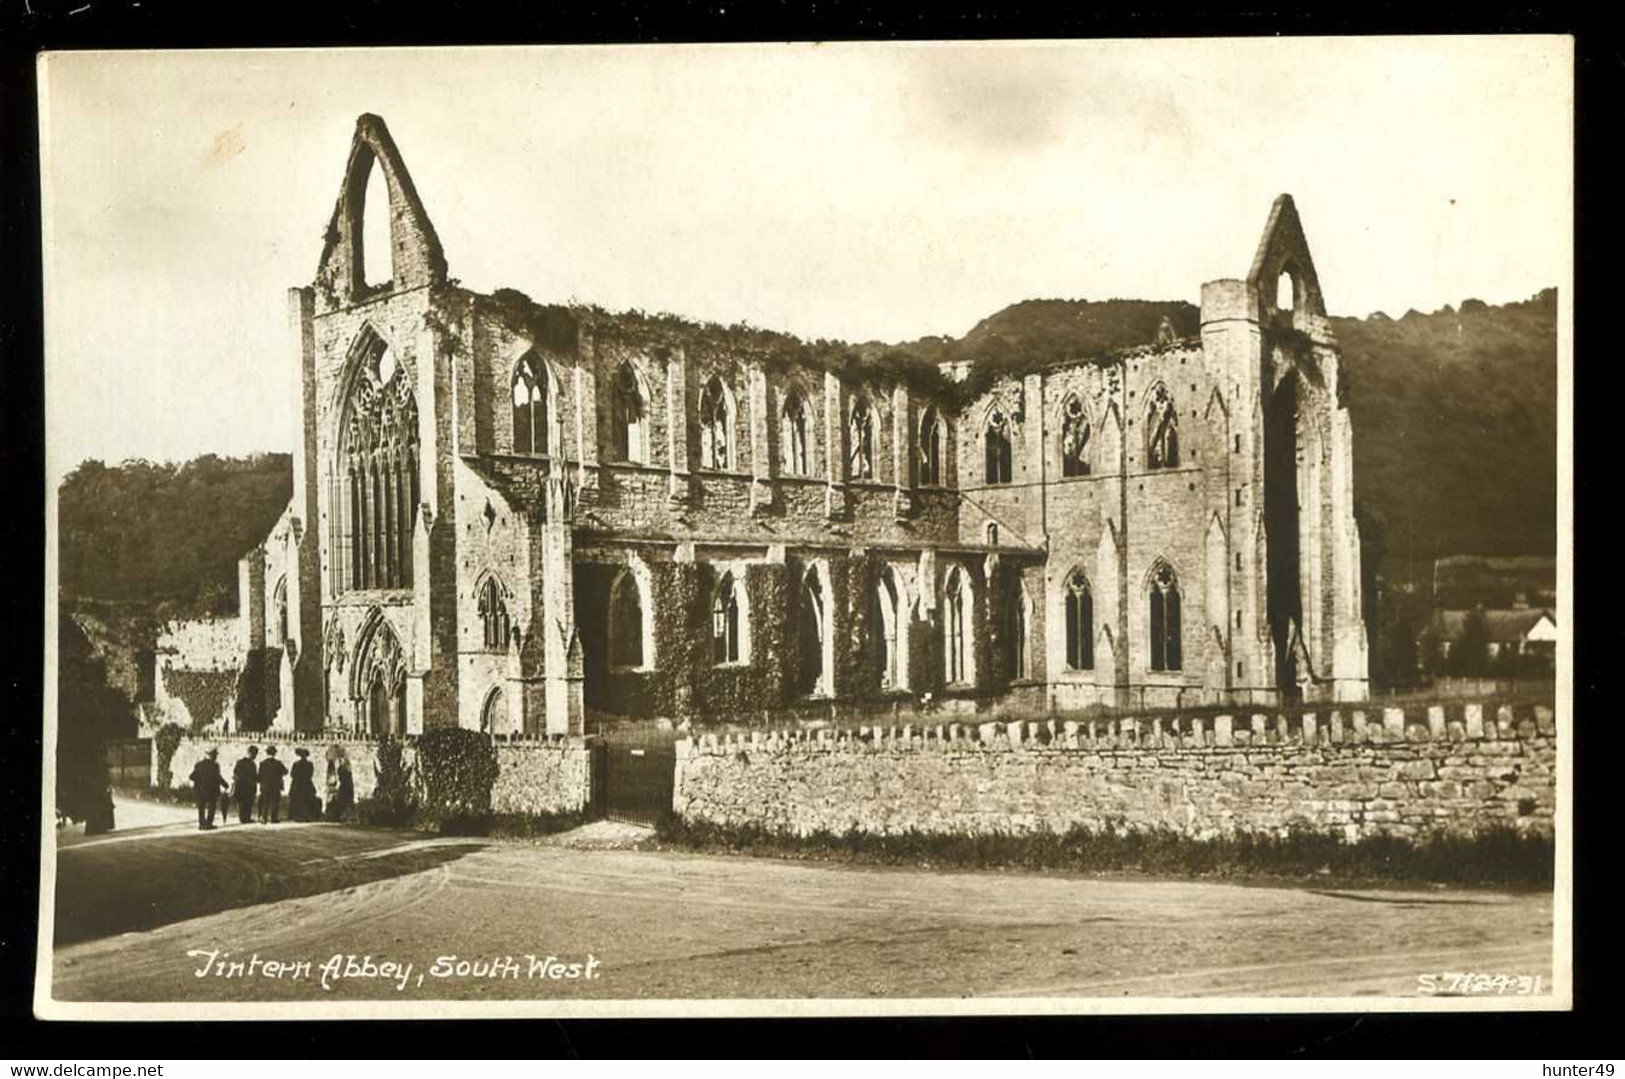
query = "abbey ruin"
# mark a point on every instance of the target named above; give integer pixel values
(511, 516)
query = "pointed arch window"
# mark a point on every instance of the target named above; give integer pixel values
(887, 612)
(998, 447)
(494, 617)
(1015, 632)
(1075, 435)
(795, 437)
(626, 623)
(375, 511)
(281, 601)
(1080, 623)
(716, 426)
(1165, 619)
(931, 441)
(728, 621)
(629, 419)
(810, 631)
(956, 626)
(532, 428)
(1162, 421)
(861, 465)
(494, 716)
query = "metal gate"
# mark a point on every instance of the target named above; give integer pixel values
(633, 776)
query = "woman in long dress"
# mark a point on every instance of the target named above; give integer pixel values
(302, 787)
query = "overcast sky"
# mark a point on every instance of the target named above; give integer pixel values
(856, 192)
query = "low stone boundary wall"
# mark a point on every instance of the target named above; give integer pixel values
(536, 775)
(1357, 772)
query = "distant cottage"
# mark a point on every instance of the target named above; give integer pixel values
(507, 514)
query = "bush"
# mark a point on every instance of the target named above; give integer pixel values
(457, 769)
(167, 741)
(392, 803)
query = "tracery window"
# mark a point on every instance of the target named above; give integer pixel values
(494, 616)
(1075, 435)
(625, 622)
(998, 447)
(1162, 451)
(1164, 619)
(797, 460)
(1080, 623)
(377, 476)
(531, 421)
(716, 426)
(931, 440)
(629, 411)
(862, 438)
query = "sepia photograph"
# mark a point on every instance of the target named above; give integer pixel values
(931, 528)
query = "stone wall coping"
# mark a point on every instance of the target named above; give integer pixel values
(1473, 721)
(356, 738)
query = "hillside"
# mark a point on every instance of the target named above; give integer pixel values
(167, 534)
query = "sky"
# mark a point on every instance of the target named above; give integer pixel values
(860, 192)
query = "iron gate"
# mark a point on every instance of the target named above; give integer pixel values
(633, 776)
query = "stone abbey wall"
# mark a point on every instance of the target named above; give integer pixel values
(1351, 772)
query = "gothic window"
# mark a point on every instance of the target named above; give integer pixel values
(1080, 623)
(531, 427)
(794, 444)
(1075, 434)
(931, 439)
(862, 438)
(625, 622)
(378, 462)
(884, 626)
(728, 621)
(630, 425)
(1162, 450)
(716, 426)
(810, 630)
(1015, 632)
(1165, 629)
(956, 626)
(494, 616)
(998, 447)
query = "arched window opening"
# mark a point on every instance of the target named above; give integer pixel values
(1286, 292)
(531, 420)
(281, 601)
(887, 611)
(727, 618)
(377, 258)
(797, 458)
(716, 426)
(494, 617)
(998, 447)
(1080, 623)
(992, 534)
(1015, 633)
(378, 710)
(1075, 435)
(1163, 422)
(810, 631)
(956, 620)
(1165, 628)
(862, 437)
(631, 438)
(494, 716)
(378, 460)
(931, 439)
(625, 622)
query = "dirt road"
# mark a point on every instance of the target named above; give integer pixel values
(652, 925)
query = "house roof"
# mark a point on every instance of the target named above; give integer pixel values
(1512, 625)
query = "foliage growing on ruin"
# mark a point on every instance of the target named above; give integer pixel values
(166, 741)
(457, 769)
(206, 694)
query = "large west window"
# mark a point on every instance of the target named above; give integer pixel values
(374, 498)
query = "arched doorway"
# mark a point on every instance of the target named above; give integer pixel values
(378, 678)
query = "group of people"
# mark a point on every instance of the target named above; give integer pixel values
(258, 784)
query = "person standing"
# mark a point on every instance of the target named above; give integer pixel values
(344, 794)
(302, 787)
(270, 787)
(206, 787)
(244, 778)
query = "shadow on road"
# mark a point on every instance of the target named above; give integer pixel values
(141, 883)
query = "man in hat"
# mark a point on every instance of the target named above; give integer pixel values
(244, 778)
(270, 787)
(206, 786)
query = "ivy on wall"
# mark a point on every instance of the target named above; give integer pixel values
(456, 770)
(166, 742)
(206, 694)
